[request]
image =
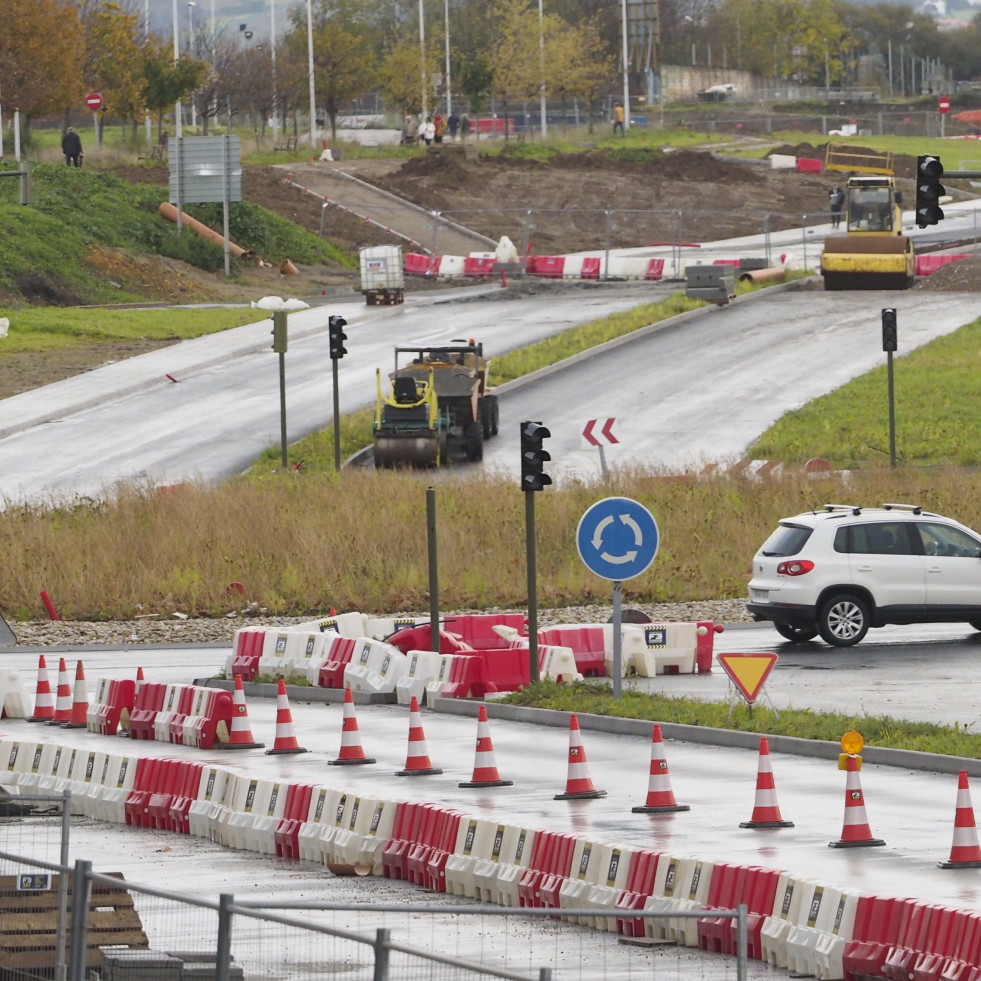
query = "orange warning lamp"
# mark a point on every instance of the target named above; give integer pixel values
(852, 743)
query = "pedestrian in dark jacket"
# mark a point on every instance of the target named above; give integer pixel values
(71, 147)
(836, 200)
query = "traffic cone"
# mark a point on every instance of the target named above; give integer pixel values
(855, 831)
(80, 701)
(417, 762)
(660, 797)
(766, 811)
(240, 733)
(964, 850)
(484, 767)
(63, 702)
(44, 707)
(578, 786)
(351, 750)
(285, 741)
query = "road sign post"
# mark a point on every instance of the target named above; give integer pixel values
(943, 107)
(94, 101)
(617, 539)
(606, 433)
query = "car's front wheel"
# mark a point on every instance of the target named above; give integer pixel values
(843, 620)
(791, 632)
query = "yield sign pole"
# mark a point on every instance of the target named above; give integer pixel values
(748, 673)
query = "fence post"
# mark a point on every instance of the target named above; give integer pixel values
(741, 949)
(80, 919)
(766, 236)
(606, 262)
(61, 965)
(382, 937)
(544, 974)
(223, 953)
(435, 215)
(803, 238)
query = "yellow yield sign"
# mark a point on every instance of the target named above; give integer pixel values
(748, 672)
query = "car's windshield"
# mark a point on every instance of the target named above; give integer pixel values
(788, 539)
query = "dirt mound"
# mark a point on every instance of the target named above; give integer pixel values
(962, 276)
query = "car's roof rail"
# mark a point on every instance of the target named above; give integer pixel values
(915, 508)
(843, 507)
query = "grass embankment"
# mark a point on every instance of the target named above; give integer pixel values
(46, 248)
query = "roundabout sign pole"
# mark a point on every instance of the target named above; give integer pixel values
(617, 539)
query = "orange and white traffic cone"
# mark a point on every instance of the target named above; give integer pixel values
(351, 752)
(660, 797)
(965, 852)
(80, 701)
(63, 702)
(485, 772)
(44, 706)
(766, 811)
(855, 831)
(240, 733)
(578, 786)
(417, 762)
(285, 741)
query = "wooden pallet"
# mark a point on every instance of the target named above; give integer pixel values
(29, 924)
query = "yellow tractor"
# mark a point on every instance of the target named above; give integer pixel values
(873, 254)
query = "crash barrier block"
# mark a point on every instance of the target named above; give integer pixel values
(13, 701)
(330, 674)
(374, 666)
(688, 892)
(322, 804)
(726, 262)
(639, 885)
(606, 879)
(434, 687)
(149, 701)
(548, 266)
(477, 844)
(479, 265)
(551, 860)
(468, 677)
(477, 629)
(287, 835)
(809, 165)
(794, 898)
(382, 628)
(924, 265)
(591, 267)
(652, 649)
(732, 885)
(705, 644)
(655, 270)
(448, 267)
(420, 638)
(422, 669)
(111, 706)
(587, 643)
(450, 836)
(294, 653)
(573, 267)
(113, 923)
(246, 651)
(416, 264)
(516, 850)
(782, 161)
(171, 705)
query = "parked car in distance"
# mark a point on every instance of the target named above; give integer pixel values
(843, 569)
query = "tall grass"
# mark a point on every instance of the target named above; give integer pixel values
(300, 544)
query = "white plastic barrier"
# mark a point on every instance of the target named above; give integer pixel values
(261, 837)
(478, 844)
(516, 851)
(604, 895)
(650, 648)
(375, 667)
(782, 161)
(380, 628)
(817, 921)
(161, 721)
(118, 782)
(294, 652)
(351, 624)
(627, 266)
(62, 771)
(423, 666)
(322, 804)
(332, 824)
(672, 883)
(348, 842)
(434, 688)
(316, 663)
(557, 663)
(37, 764)
(830, 947)
(790, 905)
(685, 930)
(13, 701)
(591, 865)
(15, 759)
(88, 779)
(372, 845)
(450, 267)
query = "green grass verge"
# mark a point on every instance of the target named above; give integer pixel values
(877, 730)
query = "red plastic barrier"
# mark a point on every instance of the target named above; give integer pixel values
(865, 952)
(808, 165)
(144, 780)
(415, 264)
(549, 266)
(418, 639)
(726, 262)
(468, 678)
(639, 885)
(926, 264)
(149, 701)
(590, 267)
(478, 265)
(477, 629)
(332, 670)
(655, 270)
(705, 645)
(287, 833)
(403, 827)
(587, 644)
(551, 856)
(435, 264)
(218, 710)
(157, 810)
(762, 888)
(494, 125)
(444, 847)
(917, 934)
(506, 669)
(186, 795)
(175, 728)
(248, 650)
(119, 699)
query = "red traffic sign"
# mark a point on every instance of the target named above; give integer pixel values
(94, 101)
(748, 672)
(606, 430)
(943, 105)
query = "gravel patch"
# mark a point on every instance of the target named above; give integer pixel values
(175, 630)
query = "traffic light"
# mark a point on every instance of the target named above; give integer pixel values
(889, 335)
(335, 328)
(929, 190)
(534, 457)
(279, 331)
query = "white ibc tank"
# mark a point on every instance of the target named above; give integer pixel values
(381, 268)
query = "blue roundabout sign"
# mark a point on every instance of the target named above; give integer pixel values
(617, 538)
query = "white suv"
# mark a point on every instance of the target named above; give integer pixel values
(838, 571)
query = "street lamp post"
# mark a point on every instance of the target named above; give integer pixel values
(626, 73)
(541, 52)
(179, 131)
(313, 95)
(191, 4)
(446, 17)
(422, 57)
(272, 41)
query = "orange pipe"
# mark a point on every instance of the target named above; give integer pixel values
(774, 274)
(199, 228)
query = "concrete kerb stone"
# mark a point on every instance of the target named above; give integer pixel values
(301, 693)
(906, 759)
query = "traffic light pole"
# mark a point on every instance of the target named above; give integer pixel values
(892, 412)
(531, 561)
(337, 421)
(282, 409)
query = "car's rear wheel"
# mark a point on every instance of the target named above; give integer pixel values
(791, 632)
(843, 620)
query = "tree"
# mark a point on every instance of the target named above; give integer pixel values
(400, 75)
(577, 63)
(41, 54)
(515, 58)
(167, 81)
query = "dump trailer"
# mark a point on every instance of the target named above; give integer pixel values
(873, 253)
(439, 406)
